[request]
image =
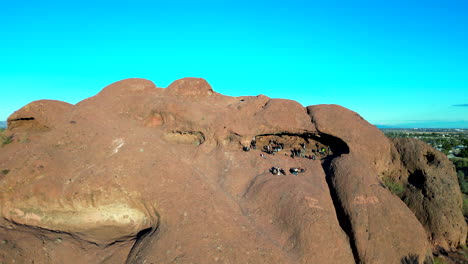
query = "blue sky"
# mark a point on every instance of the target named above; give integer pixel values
(394, 63)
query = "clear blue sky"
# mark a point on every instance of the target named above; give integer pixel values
(394, 62)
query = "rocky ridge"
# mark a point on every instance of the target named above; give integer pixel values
(141, 174)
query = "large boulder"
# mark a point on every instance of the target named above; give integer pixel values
(382, 228)
(38, 116)
(362, 138)
(432, 192)
(190, 87)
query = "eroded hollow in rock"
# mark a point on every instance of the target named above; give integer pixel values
(430, 158)
(154, 119)
(143, 233)
(26, 123)
(23, 118)
(305, 145)
(417, 179)
(185, 137)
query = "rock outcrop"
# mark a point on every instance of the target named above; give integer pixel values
(369, 210)
(140, 174)
(432, 192)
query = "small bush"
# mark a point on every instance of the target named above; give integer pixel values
(393, 186)
(439, 261)
(460, 163)
(4, 140)
(463, 153)
(465, 205)
(461, 181)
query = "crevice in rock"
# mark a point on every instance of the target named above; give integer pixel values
(23, 118)
(141, 240)
(264, 105)
(414, 259)
(143, 233)
(343, 219)
(334, 147)
(26, 123)
(307, 145)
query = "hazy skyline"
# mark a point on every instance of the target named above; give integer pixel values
(394, 63)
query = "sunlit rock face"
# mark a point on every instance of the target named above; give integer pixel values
(141, 174)
(432, 192)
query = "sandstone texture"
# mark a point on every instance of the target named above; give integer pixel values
(432, 192)
(141, 174)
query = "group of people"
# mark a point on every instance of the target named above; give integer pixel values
(273, 146)
(277, 171)
(296, 171)
(280, 171)
(253, 143)
(297, 153)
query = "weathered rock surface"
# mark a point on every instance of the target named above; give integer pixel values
(373, 214)
(361, 137)
(432, 192)
(140, 174)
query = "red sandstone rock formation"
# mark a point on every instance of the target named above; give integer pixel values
(432, 192)
(140, 174)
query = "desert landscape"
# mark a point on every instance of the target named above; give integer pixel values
(183, 174)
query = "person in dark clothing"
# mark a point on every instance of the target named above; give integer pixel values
(296, 171)
(274, 170)
(253, 144)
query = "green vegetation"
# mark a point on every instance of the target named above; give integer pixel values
(4, 140)
(465, 205)
(5, 171)
(463, 153)
(461, 164)
(462, 181)
(393, 186)
(438, 260)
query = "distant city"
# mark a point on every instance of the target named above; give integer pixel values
(409, 130)
(451, 141)
(428, 124)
